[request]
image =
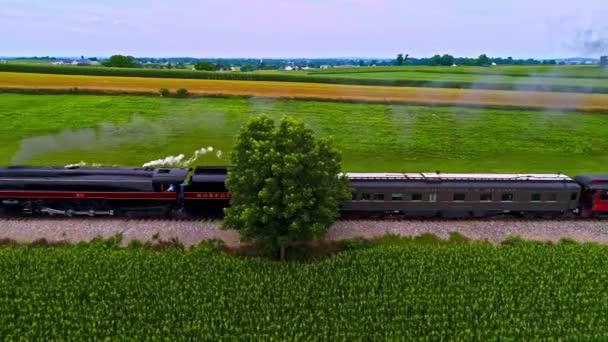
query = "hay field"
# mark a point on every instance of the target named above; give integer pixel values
(382, 94)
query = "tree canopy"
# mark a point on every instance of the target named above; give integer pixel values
(400, 59)
(285, 185)
(120, 61)
(446, 60)
(483, 60)
(203, 66)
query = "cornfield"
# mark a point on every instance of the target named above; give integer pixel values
(431, 291)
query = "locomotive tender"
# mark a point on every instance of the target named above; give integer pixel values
(169, 192)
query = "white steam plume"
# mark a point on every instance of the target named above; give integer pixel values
(180, 160)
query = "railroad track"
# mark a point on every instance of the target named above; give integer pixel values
(350, 219)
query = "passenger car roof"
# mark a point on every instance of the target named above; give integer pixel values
(439, 177)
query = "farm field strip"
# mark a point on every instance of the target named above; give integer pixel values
(132, 130)
(439, 96)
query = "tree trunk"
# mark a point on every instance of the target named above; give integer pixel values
(282, 252)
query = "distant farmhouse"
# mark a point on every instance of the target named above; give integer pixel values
(81, 61)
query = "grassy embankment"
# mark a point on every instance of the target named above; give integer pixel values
(403, 289)
(331, 92)
(129, 130)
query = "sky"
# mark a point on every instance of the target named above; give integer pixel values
(304, 28)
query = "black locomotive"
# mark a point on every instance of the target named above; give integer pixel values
(171, 192)
(113, 191)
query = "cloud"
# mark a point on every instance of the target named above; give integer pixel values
(117, 21)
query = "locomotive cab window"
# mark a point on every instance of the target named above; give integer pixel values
(485, 197)
(604, 196)
(459, 197)
(416, 197)
(535, 198)
(506, 197)
(365, 197)
(397, 197)
(378, 197)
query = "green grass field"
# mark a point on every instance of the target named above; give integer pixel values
(130, 130)
(515, 76)
(436, 79)
(573, 71)
(412, 290)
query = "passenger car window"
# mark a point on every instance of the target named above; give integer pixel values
(365, 197)
(551, 197)
(416, 197)
(459, 197)
(378, 197)
(397, 197)
(535, 198)
(485, 197)
(353, 196)
(604, 196)
(506, 197)
(573, 196)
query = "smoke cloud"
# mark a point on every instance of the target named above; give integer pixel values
(107, 135)
(592, 41)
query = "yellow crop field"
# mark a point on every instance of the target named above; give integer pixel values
(445, 96)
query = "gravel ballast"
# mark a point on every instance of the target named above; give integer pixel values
(193, 232)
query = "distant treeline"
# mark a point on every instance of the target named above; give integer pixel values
(287, 77)
(252, 64)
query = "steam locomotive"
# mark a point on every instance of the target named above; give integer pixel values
(201, 192)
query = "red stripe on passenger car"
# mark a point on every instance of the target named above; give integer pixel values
(161, 196)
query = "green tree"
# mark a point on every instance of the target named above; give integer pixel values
(203, 66)
(483, 60)
(447, 60)
(285, 185)
(435, 60)
(182, 92)
(120, 61)
(247, 67)
(400, 59)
